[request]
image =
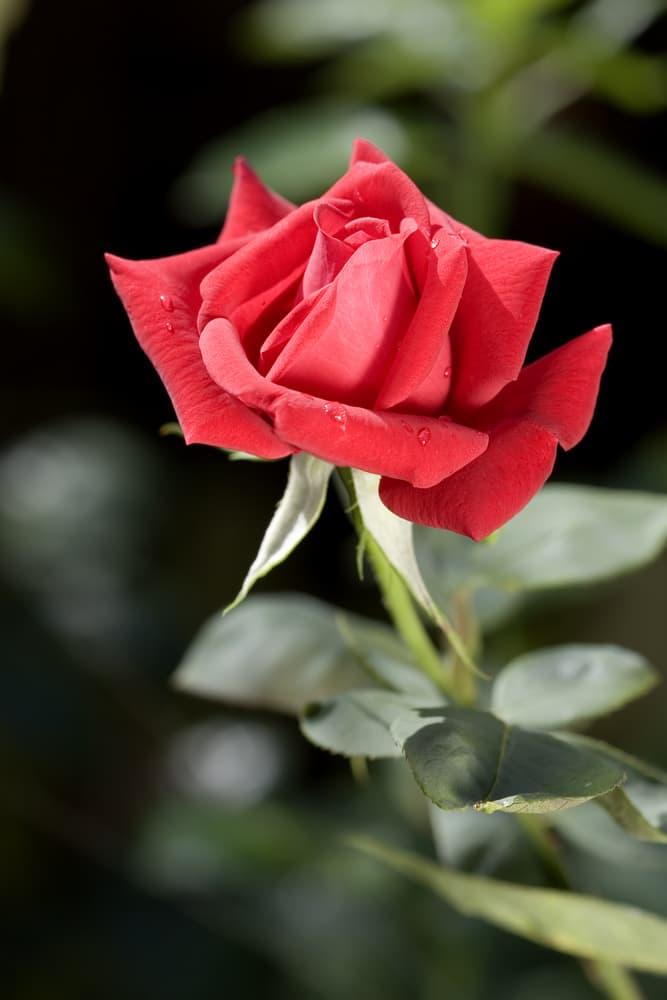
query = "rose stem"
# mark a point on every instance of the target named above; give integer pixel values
(613, 980)
(399, 603)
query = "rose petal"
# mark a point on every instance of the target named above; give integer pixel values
(383, 191)
(285, 330)
(162, 299)
(272, 259)
(551, 402)
(486, 493)
(418, 449)
(329, 252)
(495, 319)
(420, 377)
(345, 344)
(558, 392)
(364, 151)
(252, 206)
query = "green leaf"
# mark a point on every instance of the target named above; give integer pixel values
(385, 658)
(566, 536)
(555, 687)
(621, 808)
(394, 536)
(568, 922)
(281, 651)
(295, 515)
(594, 831)
(463, 757)
(358, 723)
(640, 807)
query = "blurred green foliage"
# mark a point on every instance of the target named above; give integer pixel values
(152, 844)
(468, 95)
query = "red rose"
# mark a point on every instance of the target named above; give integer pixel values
(374, 331)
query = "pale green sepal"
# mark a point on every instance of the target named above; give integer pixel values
(171, 429)
(244, 456)
(569, 922)
(394, 535)
(295, 515)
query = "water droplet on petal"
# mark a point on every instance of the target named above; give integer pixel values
(447, 372)
(170, 327)
(167, 303)
(434, 242)
(406, 427)
(445, 419)
(424, 435)
(336, 413)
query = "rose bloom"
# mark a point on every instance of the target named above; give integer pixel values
(372, 330)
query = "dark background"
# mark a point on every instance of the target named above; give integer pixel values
(121, 879)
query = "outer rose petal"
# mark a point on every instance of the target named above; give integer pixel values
(252, 206)
(495, 319)
(419, 449)
(558, 392)
(485, 494)
(551, 402)
(162, 299)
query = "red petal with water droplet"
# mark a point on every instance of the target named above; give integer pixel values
(486, 493)
(415, 380)
(207, 415)
(373, 441)
(551, 402)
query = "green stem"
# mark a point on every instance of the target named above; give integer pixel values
(399, 603)
(400, 606)
(614, 981)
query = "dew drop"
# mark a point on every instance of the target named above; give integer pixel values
(406, 427)
(447, 372)
(336, 413)
(170, 327)
(167, 303)
(424, 435)
(445, 419)
(434, 242)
